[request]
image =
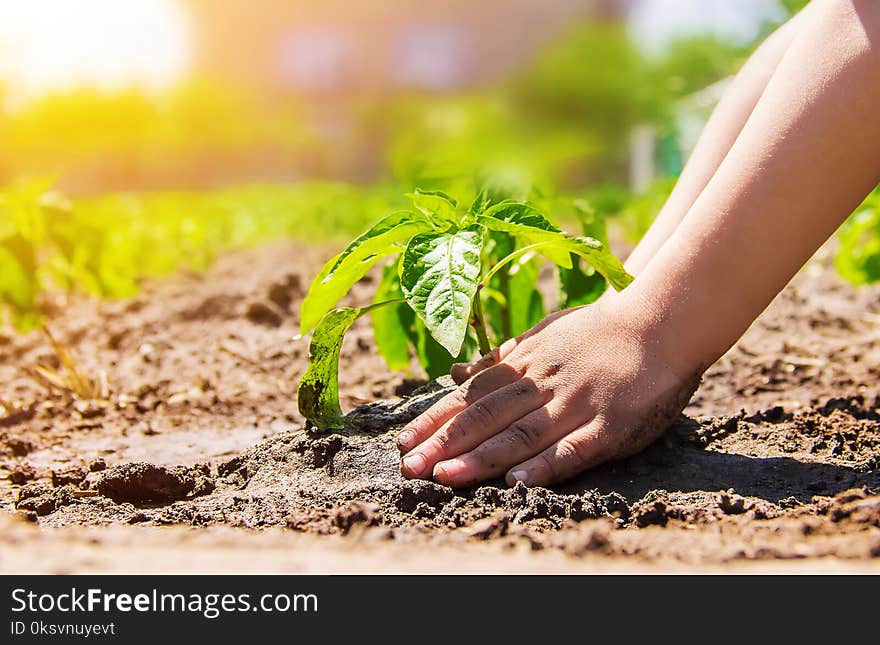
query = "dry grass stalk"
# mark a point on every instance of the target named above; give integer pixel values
(71, 377)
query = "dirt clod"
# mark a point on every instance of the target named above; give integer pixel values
(264, 313)
(70, 476)
(22, 473)
(43, 500)
(140, 483)
(357, 513)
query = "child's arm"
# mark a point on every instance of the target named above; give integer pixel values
(721, 131)
(601, 382)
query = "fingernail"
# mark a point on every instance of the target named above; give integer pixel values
(404, 438)
(415, 464)
(449, 469)
(520, 476)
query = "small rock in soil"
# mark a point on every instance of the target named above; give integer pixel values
(283, 293)
(731, 504)
(15, 446)
(489, 527)
(653, 509)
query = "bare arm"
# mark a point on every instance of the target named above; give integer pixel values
(601, 382)
(723, 127)
(807, 156)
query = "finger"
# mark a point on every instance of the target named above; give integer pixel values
(523, 438)
(579, 450)
(463, 371)
(473, 425)
(427, 423)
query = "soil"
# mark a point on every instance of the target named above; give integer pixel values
(198, 460)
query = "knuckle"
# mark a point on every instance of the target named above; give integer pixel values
(572, 453)
(523, 388)
(524, 435)
(489, 359)
(478, 414)
(435, 447)
(549, 465)
(485, 458)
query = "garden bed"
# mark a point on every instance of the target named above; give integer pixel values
(777, 458)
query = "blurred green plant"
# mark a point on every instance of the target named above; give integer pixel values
(858, 254)
(107, 245)
(95, 138)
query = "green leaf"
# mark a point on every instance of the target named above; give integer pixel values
(439, 275)
(603, 260)
(524, 302)
(392, 325)
(579, 286)
(526, 224)
(433, 357)
(343, 271)
(318, 393)
(435, 205)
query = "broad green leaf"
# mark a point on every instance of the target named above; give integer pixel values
(524, 301)
(592, 223)
(392, 324)
(435, 205)
(439, 275)
(318, 393)
(526, 224)
(593, 251)
(387, 230)
(579, 286)
(433, 357)
(340, 273)
(601, 259)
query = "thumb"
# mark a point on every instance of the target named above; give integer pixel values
(463, 371)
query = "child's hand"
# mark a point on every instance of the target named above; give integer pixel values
(583, 387)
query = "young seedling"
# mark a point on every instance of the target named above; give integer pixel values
(457, 270)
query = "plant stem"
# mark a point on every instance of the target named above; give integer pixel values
(510, 258)
(479, 324)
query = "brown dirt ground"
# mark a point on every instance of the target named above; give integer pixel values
(197, 461)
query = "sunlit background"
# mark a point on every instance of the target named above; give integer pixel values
(144, 94)
(141, 136)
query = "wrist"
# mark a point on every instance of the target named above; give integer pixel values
(662, 332)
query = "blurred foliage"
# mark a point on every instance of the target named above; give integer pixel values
(93, 139)
(858, 256)
(107, 245)
(443, 143)
(692, 64)
(563, 121)
(593, 74)
(639, 211)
